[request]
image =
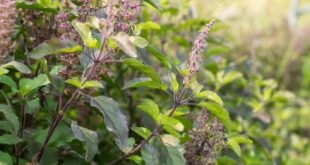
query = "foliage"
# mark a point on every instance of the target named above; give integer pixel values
(129, 82)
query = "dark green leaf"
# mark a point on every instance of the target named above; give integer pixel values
(50, 156)
(9, 139)
(61, 136)
(58, 83)
(114, 119)
(89, 137)
(18, 66)
(147, 70)
(10, 117)
(4, 126)
(8, 81)
(164, 151)
(5, 159)
(143, 82)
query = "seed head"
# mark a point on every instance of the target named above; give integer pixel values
(198, 47)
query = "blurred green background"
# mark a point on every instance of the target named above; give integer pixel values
(276, 32)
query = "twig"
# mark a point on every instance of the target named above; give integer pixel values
(37, 157)
(20, 133)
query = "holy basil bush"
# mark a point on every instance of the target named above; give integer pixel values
(90, 82)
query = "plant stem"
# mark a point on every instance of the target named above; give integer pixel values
(60, 114)
(21, 131)
(37, 157)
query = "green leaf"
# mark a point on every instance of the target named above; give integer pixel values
(9, 139)
(18, 66)
(195, 86)
(218, 111)
(88, 84)
(233, 145)
(61, 136)
(8, 81)
(173, 123)
(5, 159)
(137, 159)
(141, 131)
(210, 95)
(224, 160)
(86, 34)
(58, 83)
(50, 156)
(10, 117)
(125, 44)
(92, 84)
(150, 155)
(3, 70)
(146, 70)
(283, 96)
(159, 55)
(154, 3)
(4, 126)
(174, 85)
(49, 3)
(242, 140)
(27, 85)
(75, 82)
(142, 82)
(163, 151)
(138, 41)
(114, 119)
(34, 6)
(151, 108)
(171, 131)
(55, 46)
(93, 22)
(89, 137)
(226, 78)
(146, 26)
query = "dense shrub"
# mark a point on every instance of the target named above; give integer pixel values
(130, 82)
